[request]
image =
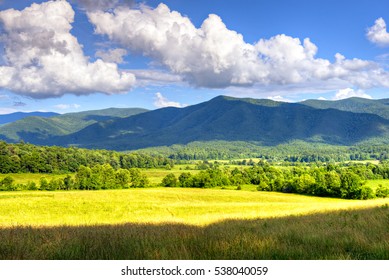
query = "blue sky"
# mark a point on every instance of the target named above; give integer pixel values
(78, 55)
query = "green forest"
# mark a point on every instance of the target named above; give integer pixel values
(28, 158)
(101, 169)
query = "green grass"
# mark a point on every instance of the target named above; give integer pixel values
(155, 175)
(375, 183)
(24, 178)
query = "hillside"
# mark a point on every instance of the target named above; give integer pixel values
(260, 121)
(355, 104)
(38, 129)
(230, 119)
(8, 118)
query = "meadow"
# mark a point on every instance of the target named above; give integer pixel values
(176, 223)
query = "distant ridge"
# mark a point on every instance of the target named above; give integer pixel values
(37, 129)
(8, 118)
(378, 107)
(263, 121)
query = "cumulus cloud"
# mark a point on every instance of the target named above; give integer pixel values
(349, 92)
(217, 57)
(147, 77)
(113, 55)
(43, 59)
(102, 5)
(160, 102)
(67, 106)
(377, 33)
(279, 98)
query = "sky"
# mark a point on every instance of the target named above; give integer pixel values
(77, 55)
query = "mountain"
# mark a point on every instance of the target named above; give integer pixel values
(230, 119)
(38, 129)
(259, 121)
(378, 107)
(8, 118)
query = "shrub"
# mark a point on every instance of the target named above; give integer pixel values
(170, 180)
(382, 191)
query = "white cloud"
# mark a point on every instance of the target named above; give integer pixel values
(349, 92)
(43, 59)
(160, 102)
(102, 4)
(378, 34)
(147, 77)
(279, 98)
(322, 98)
(67, 106)
(214, 56)
(114, 55)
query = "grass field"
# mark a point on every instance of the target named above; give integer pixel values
(23, 178)
(374, 184)
(173, 223)
(158, 205)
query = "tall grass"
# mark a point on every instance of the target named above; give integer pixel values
(348, 234)
(174, 223)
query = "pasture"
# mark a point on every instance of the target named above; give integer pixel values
(175, 223)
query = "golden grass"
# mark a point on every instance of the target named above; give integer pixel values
(159, 205)
(349, 234)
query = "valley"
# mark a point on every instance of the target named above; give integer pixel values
(225, 179)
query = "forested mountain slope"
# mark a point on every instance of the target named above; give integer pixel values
(225, 118)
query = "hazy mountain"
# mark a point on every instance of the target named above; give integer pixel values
(37, 129)
(8, 118)
(225, 118)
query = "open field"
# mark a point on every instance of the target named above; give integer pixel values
(159, 205)
(374, 184)
(173, 223)
(24, 178)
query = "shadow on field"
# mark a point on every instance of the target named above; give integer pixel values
(354, 234)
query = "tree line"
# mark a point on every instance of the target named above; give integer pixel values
(327, 181)
(294, 152)
(27, 158)
(99, 177)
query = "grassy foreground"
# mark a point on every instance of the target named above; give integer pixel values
(165, 223)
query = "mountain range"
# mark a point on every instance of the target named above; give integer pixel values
(36, 129)
(13, 117)
(266, 122)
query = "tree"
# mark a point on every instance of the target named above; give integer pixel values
(7, 184)
(332, 185)
(68, 182)
(43, 183)
(83, 178)
(185, 180)
(138, 180)
(122, 179)
(305, 183)
(351, 185)
(170, 180)
(382, 191)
